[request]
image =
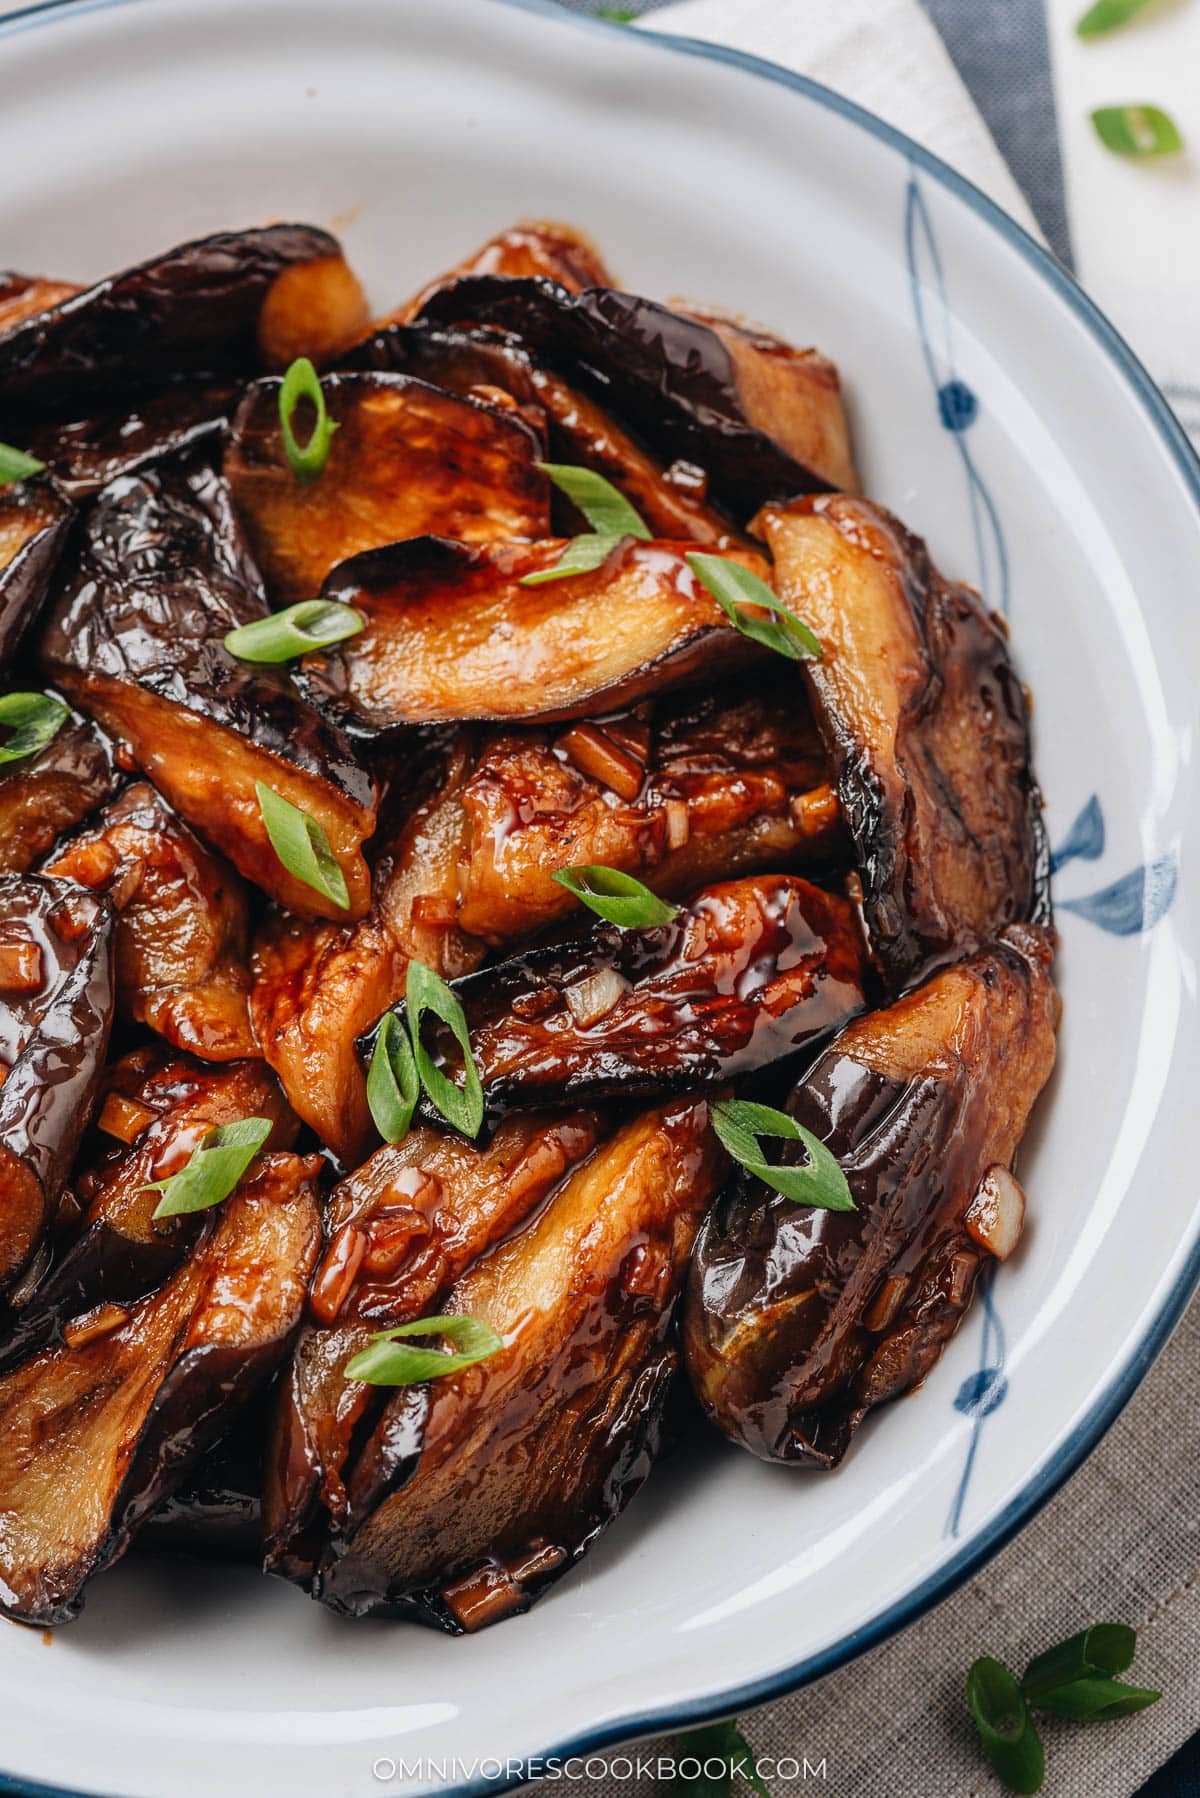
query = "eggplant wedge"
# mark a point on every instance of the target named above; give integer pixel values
(495, 367)
(474, 1492)
(746, 973)
(137, 639)
(35, 521)
(680, 792)
(398, 1233)
(56, 1011)
(452, 635)
(182, 924)
(406, 459)
(47, 794)
(87, 452)
(155, 1109)
(670, 380)
(532, 247)
(98, 1431)
(196, 310)
(24, 296)
(216, 1514)
(317, 986)
(797, 1319)
(927, 729)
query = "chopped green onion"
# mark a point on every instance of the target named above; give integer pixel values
(1140, 131)
(214, 1168)
(722, 1755)
(616, 897)
(734, 587)
(393, 1084)
(739, 1123)
(302, 845)
(302, 382)
(388, 1361)
(15, 465)
(607, 511)
(581, 556)
(1006, 1730)
(460, 1106)
(1096, 1700)
(1106, 15)
(311, 624)
(33, 718)
(1105, 1648)
(617, 15)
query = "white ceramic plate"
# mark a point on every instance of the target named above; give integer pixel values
(416, 128)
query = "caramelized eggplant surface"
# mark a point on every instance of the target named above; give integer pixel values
(534, 247)
(927, 730)
(468, 1499)
(96, 1432)
(34, 522)
(798, 1319)
(154, 1110)
(398, 1233)
(24, 296)
(45, 794)
(182, 924)
(669, 379)
(406, 459)
(451, 633)
(56, 1011)
(137, 639)
(745, 974)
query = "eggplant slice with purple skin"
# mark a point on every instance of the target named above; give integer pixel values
(406, 459)
(798, 1320)
(35, 521)
(137, 639)
(452, 635)
(473, 1492)
(56, 1012)
(399, 1232)
(671, 380)
(96, 1432)
(112, 439)
(530, 247)
(748, 972)
(155, 1110)
(44, 795)
(927, 730)
(182, 924)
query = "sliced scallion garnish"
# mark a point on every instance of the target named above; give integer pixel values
(301, 845)
(734, 588)
(214, 1169)
(301, 382)
(310, 624)
(393, 1084)
(616, 897)
(739, 1124)
(1139, 131)
(33, 718)
(389, 1360)
(460, 1106)
(15, 465)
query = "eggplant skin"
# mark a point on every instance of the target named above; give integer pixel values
(669, 379)
(193, 310)
(137, 639)
(23, 296)
(792, 1326)
(50, 793)
(747, 973)
(406, 459)
(88, 451)
(98, 1432)
(56, 1012)
(473, 1493)
(452, 635)
(35, 521)
(531, 247)
(927, 730)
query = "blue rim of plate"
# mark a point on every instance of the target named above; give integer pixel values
(1086, 1434)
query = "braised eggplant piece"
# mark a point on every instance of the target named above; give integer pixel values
(34, 522)
(532, 247)
(47, 794)
(56, 1010)
(927, 730)
(406, 459)
(110, 440)
(798, 1320)
(137, 639)
(473, 1493)
(196, 310)
(398, 1233)
(24, 296)
(683, 791)
(317, 986)
(496, 367)
(451, 634)
(216, 1514)
(96, 1432)
(155, 1109)
(182, 924)
(670, 380)
(745, 974)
